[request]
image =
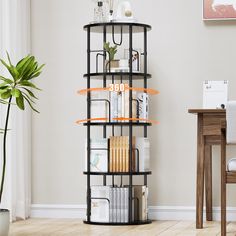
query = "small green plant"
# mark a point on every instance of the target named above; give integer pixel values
(110, 50)
(17, 89)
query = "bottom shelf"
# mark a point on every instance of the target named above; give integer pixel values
(115, 224)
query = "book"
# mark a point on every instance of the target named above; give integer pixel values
(114, 106)
(143, 101)
(98, 155)
(126, 204)
(111, 204)
(140, 202)
(100, 203)
(122, 205)
(114, 204)
(118, 205)
(143, 146)
(215, 94)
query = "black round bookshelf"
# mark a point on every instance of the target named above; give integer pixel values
(113, 29)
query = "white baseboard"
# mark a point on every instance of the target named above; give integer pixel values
(155, 212)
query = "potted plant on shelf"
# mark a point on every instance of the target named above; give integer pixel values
(15, 90)
(111, 64)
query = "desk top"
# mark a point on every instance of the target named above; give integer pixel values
(197, 111)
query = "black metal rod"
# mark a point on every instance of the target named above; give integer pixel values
(130, 123)
(105, 77)
(113, 128)
(88, 128)
(138, 157)
(145, 70)
(121, 36)
(104, 180)
(145, 180)
(99, 54)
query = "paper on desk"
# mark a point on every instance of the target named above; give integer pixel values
(215, 93)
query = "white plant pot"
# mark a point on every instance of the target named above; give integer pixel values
(4, 222)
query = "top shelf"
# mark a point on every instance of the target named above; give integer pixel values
(98, 27)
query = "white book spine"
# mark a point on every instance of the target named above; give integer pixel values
(119, 105)
(123, 104)
(122, 205)
(118, 205)
(115, 205)
(111, 204)
(126, 211)
(114, 106)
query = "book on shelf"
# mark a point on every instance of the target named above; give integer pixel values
(100, 208)
(119, 154)
(143, 146)
(112, 154)
(98, 155)
(140, 202)
(143, 101)
(119, 105)
(111, 204)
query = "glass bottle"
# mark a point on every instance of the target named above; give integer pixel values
(100, 13)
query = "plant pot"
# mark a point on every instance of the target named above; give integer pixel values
(4, 222)
(112, 65)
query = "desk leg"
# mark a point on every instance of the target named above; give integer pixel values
(208, 181)
(200, 174)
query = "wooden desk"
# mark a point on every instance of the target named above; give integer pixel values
(208, 134)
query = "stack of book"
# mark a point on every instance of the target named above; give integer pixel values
(119, 105)
(119, 154)
(111, 204)
(112, 155)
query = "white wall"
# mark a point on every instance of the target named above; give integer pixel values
(183, 51)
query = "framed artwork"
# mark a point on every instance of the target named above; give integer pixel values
(219, 9)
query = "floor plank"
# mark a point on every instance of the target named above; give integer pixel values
(67, 227)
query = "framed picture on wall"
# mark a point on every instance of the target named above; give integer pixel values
(219, 9)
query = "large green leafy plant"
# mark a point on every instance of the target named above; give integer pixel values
(17, 90)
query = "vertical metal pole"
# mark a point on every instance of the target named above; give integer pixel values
(130, 123)
(104, 76)
(88, 128)
(145, 69)
(104, 86)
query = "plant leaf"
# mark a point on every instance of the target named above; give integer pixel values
(31, 105)
(28, 84)
(21, 63)
(27, 96)
(6, 94)
(30, 93)
(9, 81)
(15, 92)
(9, 59)
(20, 102)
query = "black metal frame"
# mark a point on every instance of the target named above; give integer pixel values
(132, 27)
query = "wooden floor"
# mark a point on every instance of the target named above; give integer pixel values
(55, 227)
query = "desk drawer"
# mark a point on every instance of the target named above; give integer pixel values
(212, 124)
